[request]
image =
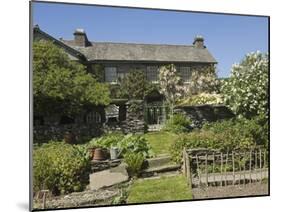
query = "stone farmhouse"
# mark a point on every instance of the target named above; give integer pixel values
(118, 59)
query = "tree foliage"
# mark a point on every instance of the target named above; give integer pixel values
(61, 85)
(204, 81)
(246, 91)
(171, 85)
(134, 85)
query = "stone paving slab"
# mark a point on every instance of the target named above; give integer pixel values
(108, 177)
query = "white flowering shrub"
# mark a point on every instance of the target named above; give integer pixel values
(246, 91)
(204, 81)
(171, 85)
(202, 99)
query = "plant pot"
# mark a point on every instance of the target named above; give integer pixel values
(99, 154)
(92, 152)
(69, 138)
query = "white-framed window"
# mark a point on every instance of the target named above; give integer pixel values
(93, 117)
(185, 73)
(152, 73)
(110, 74)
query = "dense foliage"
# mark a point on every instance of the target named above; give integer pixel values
(204, 81)
(61, 85)
(225, 135)
(128, 143)
(134, 85)
(246, 91)
(178, 123)
(134, 162)
(61, 168)
(201, 99)
(171, 85)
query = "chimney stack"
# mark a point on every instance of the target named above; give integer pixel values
(80, 38)
(199, 42)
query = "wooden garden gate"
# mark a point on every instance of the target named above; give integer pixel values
(206, 167)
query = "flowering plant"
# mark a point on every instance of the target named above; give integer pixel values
(246, 91)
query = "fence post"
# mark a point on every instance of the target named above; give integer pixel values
(250, 166)
(184, 161)
(198, 171)
(233, 168)
(188, 170)
(260, 164)
(206, 169)
(221, 167)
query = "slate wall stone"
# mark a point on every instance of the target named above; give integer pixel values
(80, 132)
(205, 113)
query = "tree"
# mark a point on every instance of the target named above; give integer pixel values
(134, 85)
(204, 81)
(246, 91)
(61, 85)
(171, 85)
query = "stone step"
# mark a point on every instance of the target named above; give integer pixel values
(153, 171)
(159, 161)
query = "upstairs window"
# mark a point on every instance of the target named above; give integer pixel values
(152, 73)
(185, 73)
(110, 74)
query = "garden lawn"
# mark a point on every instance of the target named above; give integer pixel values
(158, 190)
(160, 141)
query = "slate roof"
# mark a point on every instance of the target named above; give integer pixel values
(100, 51)
(38, 32)
(109, 51)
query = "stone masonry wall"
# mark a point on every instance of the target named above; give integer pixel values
(205, 113)
(80, 132)
(134, 122)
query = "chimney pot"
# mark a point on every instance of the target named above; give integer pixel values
(199, 42)
(80, 38)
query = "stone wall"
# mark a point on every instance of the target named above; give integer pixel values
(134, 122)
(205, 113)
(80, 132)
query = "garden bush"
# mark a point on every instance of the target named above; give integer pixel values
(107, 141)
(177, 123)
(134, 162)
(125, 143)
(201, 99)
(224, 135)
(246, 91)
(61, 168)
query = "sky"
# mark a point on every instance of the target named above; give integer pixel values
(228, 37)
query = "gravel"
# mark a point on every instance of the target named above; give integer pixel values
(231, 191)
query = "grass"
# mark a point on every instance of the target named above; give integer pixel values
(160, 141)
(158, 190)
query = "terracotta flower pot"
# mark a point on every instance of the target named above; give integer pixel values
(92, 152)
(99, 154)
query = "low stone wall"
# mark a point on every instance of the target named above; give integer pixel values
(57, 132)
(205, 113)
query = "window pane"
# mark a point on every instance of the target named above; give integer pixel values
(185, 73)
(110, 74)
(152, 73)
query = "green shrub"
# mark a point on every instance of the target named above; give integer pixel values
(135, 144)
(134, 162)
(224, 135)
(61, 168)
(127, 143)
(255, 128)
(177, 123)
(202, 99)
(107, 141)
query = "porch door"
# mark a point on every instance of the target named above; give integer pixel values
(155, 114)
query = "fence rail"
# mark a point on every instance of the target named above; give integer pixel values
(206, 167)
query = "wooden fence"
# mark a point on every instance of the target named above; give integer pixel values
(205, 167)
